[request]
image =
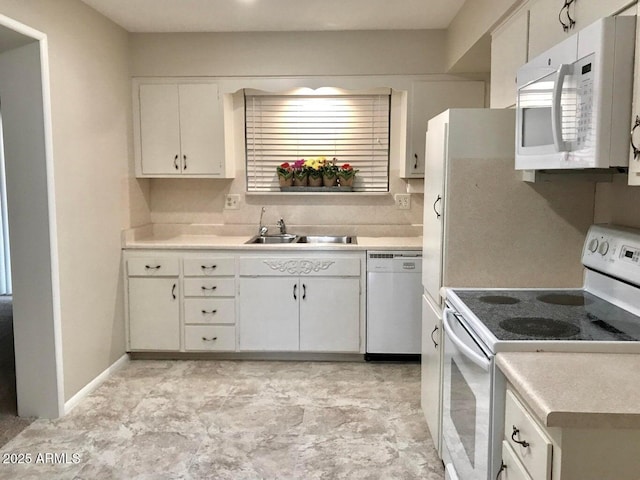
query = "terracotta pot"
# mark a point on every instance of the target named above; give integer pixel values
(284, 181)
(329, 181)
(315, 181)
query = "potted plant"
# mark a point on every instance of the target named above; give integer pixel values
(314, 169)
(346, 174)
(300, 174)
(329, 171)
(285, 174)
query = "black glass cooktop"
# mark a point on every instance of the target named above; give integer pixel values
(550, 315)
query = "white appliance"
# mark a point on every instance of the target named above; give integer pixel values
(483, 226)
(574, 101)
(603, 316)
(393, 303)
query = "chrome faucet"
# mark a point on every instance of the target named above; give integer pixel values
(283, 226)
(262, 229)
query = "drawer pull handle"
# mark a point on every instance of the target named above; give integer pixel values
(175, 162)
(524, 443)
(295, 291)
(173, 291)
(212, 339)
(210, 312)
(435, 344)
(149, 267)
(208, 267)
(304, 291)
(208, 288)
(502, 467)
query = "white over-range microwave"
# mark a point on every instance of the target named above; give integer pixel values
(573, 105)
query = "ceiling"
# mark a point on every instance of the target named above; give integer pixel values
(276, 15)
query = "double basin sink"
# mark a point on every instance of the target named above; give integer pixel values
(290, 238)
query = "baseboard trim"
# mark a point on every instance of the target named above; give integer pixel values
(95, 383)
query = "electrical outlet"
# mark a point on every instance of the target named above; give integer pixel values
(403, 201)
(231, 202)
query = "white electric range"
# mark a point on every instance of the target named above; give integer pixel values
(603, 316)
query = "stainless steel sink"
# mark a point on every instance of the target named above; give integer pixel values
(327, 239)
(264, 239)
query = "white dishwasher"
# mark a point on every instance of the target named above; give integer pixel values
(394, 290)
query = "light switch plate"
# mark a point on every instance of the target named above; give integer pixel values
(231, 202)
(403, 201)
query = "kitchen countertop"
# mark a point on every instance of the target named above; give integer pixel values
(220, 242)
(577, 390)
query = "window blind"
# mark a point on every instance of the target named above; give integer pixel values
(353, 129)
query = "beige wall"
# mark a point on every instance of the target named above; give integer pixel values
(283, 54)
(90, 105)
(289, 53)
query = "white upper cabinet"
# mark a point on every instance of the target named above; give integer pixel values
(509, 51)
(426, 100)
(179, 130)
(545, 29)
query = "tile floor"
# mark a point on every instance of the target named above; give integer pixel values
(237, 420)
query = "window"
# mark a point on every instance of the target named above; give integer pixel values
(352, 128)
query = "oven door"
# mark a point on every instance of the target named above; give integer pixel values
(466, 422)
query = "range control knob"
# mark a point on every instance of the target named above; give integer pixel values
(593, 245)
(604, 248)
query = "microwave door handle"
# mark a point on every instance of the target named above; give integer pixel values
(479, 360)
(556, 108)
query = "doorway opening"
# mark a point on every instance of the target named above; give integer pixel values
(30, 337)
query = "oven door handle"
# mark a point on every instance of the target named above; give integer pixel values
(480, 360)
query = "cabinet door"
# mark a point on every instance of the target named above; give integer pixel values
(431, 369)
(330, 314)
(509, 45)
(427, 100)
(437, 138)
(154, 314)
(269, 313)
(201, 129)
(159, 129)
(544, 28)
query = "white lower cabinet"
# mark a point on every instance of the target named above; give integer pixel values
(154, 313)
(329, 314)
(209, 303)
(269, 314)
(532, 446)
(183, 301)
(300, 304)
(431, 370)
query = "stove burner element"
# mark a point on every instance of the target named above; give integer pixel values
(539, 327)
(499, 300)
(573, 300)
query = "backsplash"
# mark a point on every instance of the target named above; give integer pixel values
(201, 202)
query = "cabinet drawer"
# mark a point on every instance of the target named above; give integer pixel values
(210, 337)
(514, 470)
(153, 267)
(209, 310)
(209, 267)
(536, 456)
(209, 287)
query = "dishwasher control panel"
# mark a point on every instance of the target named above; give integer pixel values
(395, 262)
